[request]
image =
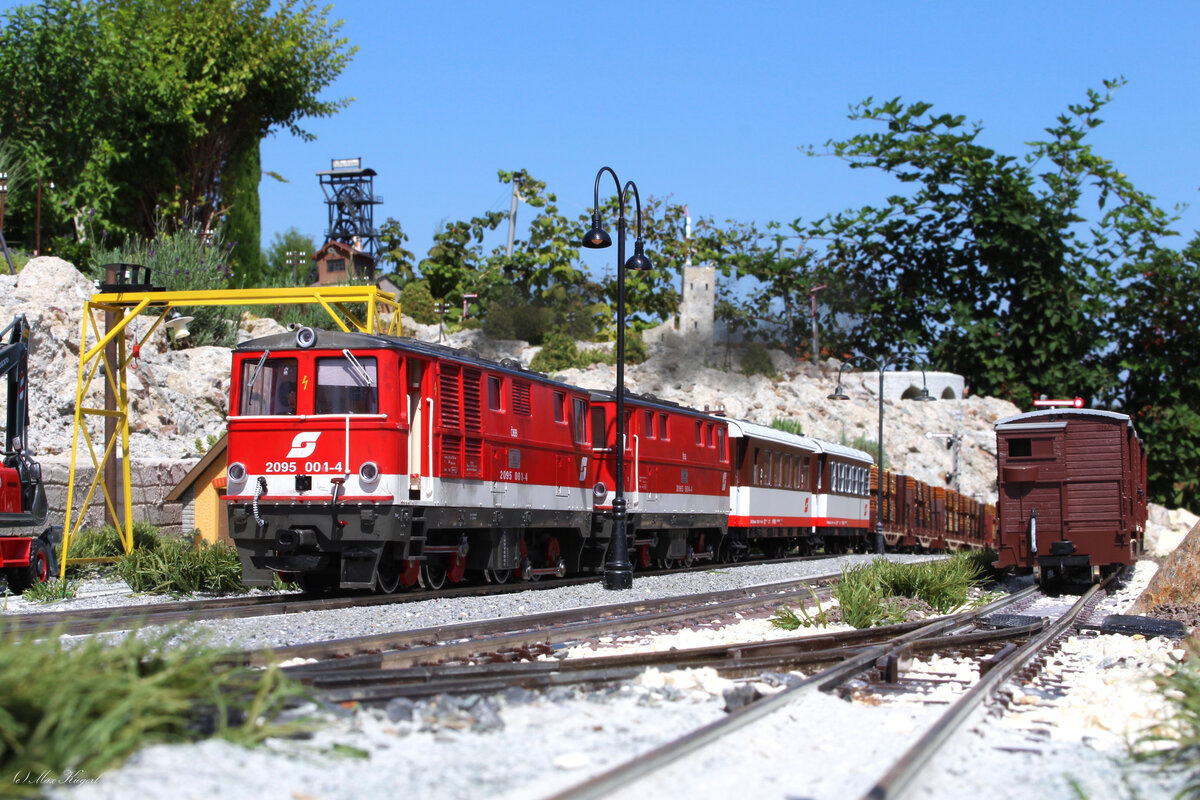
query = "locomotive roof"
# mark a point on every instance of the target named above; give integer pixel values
(605, 396)
(1061, 414)
(337, 340)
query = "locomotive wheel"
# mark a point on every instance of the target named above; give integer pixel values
(392, 576)
(456, 567)
(497, 576)
(668, 563)
(433, 573)
(644, 560)
(38, 570)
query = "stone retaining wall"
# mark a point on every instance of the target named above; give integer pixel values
(152, 481)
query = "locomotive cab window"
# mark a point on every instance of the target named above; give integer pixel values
(268, 387)
(346, 385)
(495, 386)
(579, 420)
(560, 407)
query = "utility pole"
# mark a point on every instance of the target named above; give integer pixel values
(441, 309)
(512, 213)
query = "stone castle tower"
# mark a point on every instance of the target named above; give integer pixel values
(697, 304)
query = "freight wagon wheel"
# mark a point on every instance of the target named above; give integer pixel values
(38, 570)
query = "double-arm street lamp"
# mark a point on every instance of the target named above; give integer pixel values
(618, 571)
(882, 365)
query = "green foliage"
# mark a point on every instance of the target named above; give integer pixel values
(178, 567)
(181, 255)
(757, 361)
(790, 620)
(88, 707)
(105, 542)
(132, 107)
(52, 591)
(242, 229)
(416, 301)
(295, 270)
(792, 426)
(392, 251)
(1158, 356)
(558, 353)
(863, 591)
(985, 254)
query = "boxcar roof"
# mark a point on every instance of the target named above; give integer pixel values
(1062, 415)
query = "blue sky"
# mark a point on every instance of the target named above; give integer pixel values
(710, 103)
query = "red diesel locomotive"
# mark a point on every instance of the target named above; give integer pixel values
(377, 462)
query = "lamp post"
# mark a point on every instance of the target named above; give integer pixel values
(881, 365)
(3, 192)
(618, 571)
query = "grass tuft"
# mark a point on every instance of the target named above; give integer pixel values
(1176, 742)
(790, 620)
(179, 568)
(80, 710)
(52, 591)
(865, 592)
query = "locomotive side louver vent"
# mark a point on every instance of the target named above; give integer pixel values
(521, 404)
(450, 396)
(472, 407)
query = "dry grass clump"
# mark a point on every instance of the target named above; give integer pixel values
(70, 713)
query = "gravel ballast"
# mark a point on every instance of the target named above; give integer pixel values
(532, 744)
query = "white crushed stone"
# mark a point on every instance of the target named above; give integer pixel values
(821, 747)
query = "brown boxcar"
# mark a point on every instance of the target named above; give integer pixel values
(1072, 485)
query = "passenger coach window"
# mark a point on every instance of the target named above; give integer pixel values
(346, 386)
(270, 389)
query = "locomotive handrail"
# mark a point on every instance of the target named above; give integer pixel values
(295, 417)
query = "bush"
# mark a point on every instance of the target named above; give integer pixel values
(757, 361)
(559, 352)
(416, 301)
(786, 425)
(87, 707)
(181, 257)
(177, 567)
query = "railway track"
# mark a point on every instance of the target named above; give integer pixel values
(95, 620)
(1003, 652)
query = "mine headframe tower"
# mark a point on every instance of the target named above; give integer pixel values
(350, 194)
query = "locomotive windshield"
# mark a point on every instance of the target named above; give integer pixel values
(346, 385)
(269, 390)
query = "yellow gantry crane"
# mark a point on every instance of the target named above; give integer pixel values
(122, 300)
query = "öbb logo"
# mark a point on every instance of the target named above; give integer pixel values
(304, 444)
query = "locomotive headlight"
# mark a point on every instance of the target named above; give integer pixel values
(368, 472)
(236, 472)
(600, 491)
(306, 337)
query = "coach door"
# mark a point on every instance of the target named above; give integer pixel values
(420, 438)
